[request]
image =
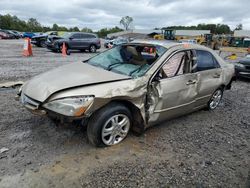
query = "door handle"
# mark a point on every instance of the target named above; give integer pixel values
(216, 75)
(189, 82)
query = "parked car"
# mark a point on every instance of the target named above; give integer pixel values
(40, 40)
(130, 87)
(242, 68)
(116, 42)
(4, 35)
(8, 35)
(28, 35)
(50, 41)
(107, 41)
(76, 41)
(17, 34)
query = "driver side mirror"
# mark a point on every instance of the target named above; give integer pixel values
(70, 38)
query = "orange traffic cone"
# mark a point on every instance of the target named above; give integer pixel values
(64, 50)
(27, 49)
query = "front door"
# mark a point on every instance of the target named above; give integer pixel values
(75, 41)
(173, 90)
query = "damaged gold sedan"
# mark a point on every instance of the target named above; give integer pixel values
(130, 87)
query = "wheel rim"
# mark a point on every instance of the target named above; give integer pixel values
(92, 48)
(115, 129)
(215, 100)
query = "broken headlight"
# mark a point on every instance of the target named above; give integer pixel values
(72, 106)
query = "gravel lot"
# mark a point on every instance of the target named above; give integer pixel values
(202, 149)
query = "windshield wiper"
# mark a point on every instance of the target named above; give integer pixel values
(136, 70)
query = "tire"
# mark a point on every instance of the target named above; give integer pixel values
(105, 127)
(215, 99)
(42, 44)
(92, 48)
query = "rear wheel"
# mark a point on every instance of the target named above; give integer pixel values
(215, 99)
(92, 48)
(110, 125)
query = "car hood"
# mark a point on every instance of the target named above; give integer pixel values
(61, 39)
(40, 36)
(68, 76)
(245, 61)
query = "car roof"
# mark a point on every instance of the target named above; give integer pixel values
(168, 43)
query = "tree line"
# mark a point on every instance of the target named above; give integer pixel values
(32, 25)
(14, 23)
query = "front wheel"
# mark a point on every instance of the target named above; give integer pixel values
(42, 44)
(110, 125)
(215, 99)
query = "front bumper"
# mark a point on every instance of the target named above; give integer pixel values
(51, 46)
(35, 107)
(30, 104)
(34, 42)
(242, 72)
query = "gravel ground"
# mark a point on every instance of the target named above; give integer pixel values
(202, 149)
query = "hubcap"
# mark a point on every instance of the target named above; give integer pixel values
(215, 100)
(115, 129)
(92, 48)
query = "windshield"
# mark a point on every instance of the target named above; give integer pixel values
(131, 60)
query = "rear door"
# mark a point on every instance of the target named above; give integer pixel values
(173, 90)
(88, 39)
(209, 75)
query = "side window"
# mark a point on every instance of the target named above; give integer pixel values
(90, 36)
(84, 36)
(87, 36)
(178, 64)
(77, 36)
(205, 61)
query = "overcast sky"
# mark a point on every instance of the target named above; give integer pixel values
(147, 14)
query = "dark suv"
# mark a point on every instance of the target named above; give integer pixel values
(76, 41)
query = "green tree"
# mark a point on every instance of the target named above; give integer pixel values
(55, 27)
(34, 25)
(126, 22)
(87, 30)
(239, 27)
(104, 31)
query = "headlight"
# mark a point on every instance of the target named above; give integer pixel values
(72, 106)
(239, 65)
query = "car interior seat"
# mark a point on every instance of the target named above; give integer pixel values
(137, 58)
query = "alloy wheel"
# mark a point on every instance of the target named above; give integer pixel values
(215, 100)
(115, 129)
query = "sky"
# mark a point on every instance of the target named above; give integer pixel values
(147, 14)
